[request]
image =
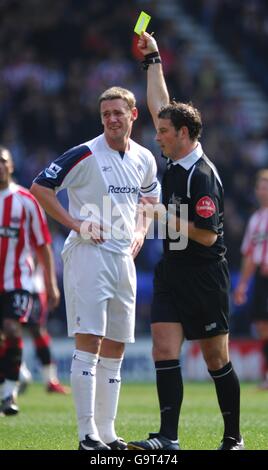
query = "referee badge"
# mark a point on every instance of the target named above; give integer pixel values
(205, 207)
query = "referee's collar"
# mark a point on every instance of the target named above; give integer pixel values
(190, 159)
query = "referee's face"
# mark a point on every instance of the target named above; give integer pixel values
(171, 141)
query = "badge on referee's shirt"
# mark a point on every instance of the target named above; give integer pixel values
(205, 207)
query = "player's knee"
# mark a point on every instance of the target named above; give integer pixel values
(113, 349)
(88, 342)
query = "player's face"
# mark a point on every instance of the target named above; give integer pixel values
(169, 139)
(262, 192)
(6, 169)
(117, 119)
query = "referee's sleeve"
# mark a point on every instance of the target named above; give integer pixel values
(206, 200)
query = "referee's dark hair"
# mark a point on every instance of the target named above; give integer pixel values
(183, 114)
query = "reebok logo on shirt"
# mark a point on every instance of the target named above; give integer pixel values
(125, 189)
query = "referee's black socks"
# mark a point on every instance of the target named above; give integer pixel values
(170, 394)
(228, 393)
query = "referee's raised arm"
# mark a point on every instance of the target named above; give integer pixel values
(157, 93)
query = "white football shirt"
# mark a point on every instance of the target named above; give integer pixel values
(104, 186)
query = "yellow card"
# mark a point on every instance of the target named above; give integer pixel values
(142, 23)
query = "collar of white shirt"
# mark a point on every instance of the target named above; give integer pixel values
(190, 159)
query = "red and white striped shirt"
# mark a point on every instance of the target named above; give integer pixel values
(22, 226)
(255, 242)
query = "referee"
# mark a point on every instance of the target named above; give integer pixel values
(191, 285)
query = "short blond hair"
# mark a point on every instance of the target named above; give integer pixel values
(262, 175)
(117, 92)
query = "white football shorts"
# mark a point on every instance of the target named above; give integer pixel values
(100, 292)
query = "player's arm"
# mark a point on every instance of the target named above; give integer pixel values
(46, 259)
(143, 222)
(157, 93)
(48, 200)
(248, 268)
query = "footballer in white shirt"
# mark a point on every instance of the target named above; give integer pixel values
(104, 178)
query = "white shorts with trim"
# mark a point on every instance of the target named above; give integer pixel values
(100, 292)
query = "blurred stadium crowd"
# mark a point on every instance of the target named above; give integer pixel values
(57, 56)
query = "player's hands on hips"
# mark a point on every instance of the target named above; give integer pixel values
(240, 294)
(93, 231)
(147, 44)
(137, 243)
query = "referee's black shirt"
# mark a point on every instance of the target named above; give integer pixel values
(194, 181)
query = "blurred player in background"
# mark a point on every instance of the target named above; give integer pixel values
(22, 226)
(191, 283)
(255, 262)
(36, 325)
(109, 172)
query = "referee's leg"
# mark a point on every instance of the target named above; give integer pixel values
(167, 342)
(216, 354)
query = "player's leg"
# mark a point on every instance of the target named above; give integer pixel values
(259, 318)
(12, 361)
(25, 378)
(83, 382)
(120, 330)
(2, 362)
(15, 307)
(86, 319)
(262, 331)
(42, 342)
(216, 355)
(108, 390)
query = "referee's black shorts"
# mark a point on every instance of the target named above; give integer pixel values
(195, 296)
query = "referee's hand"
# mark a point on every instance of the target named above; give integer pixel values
(147, 44)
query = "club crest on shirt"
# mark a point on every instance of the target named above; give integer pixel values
(205, 207)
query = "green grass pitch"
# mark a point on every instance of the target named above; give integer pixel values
(47, 421)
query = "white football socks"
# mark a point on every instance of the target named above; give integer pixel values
(83, 382)
(107, 395)
(10, 388)
(49, 373)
